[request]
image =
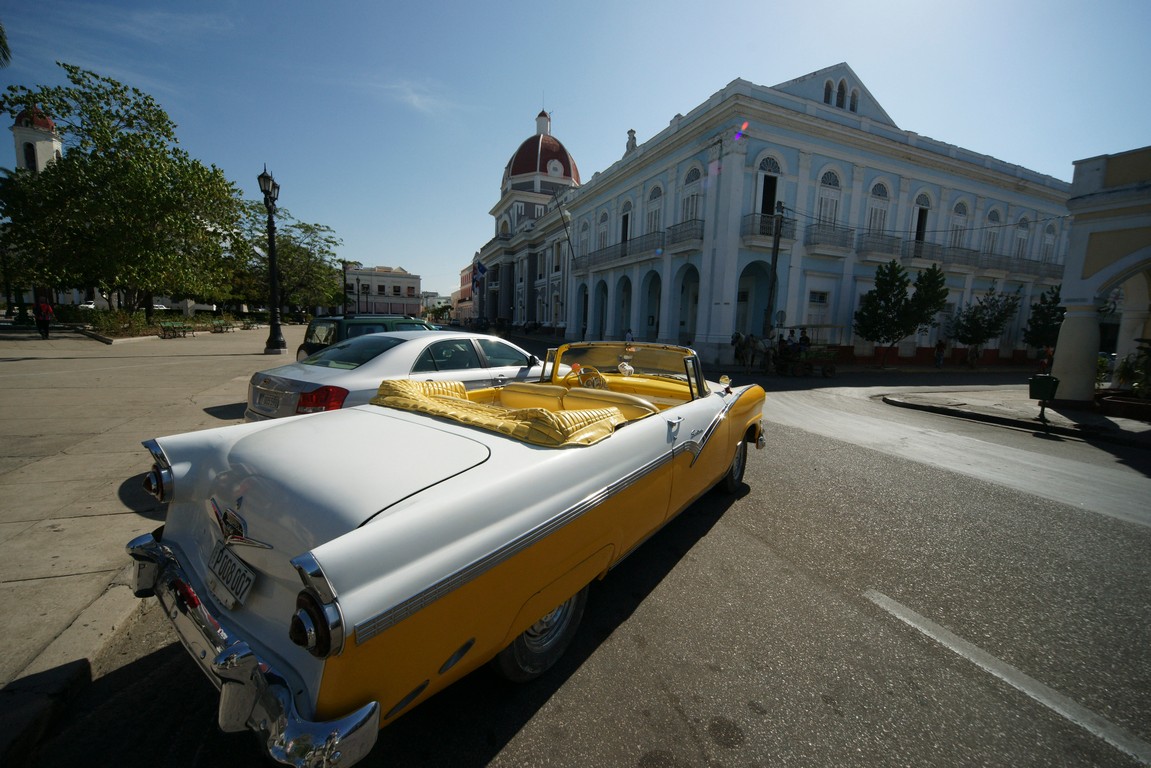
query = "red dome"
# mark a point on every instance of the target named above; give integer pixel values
(34, 118)
(536, 154)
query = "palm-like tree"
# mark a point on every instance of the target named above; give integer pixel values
(5, 53)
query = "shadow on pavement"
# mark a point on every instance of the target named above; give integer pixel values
(133, 496)
(159, 711)
(229, 412)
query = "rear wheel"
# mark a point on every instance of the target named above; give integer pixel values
(733, 480)
(543, 643)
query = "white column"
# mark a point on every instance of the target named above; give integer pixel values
(1076, 353)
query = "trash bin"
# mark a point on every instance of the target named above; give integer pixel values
(1043, 386)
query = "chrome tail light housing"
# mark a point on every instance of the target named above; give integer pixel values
(158, 480)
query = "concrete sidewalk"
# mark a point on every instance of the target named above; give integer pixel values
(1012, 406)
(74, 412)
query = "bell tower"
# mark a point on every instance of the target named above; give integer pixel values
(37, 142)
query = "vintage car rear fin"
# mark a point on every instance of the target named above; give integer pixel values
(318, 623)
(158, 481)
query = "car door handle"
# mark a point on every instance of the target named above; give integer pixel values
(673, 424)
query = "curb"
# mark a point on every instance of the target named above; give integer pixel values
(1082, 433)
(32, 702)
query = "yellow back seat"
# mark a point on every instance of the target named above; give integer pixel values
(521, 394)
(632, 406)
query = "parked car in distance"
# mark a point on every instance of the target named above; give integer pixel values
(87, 305)
(328, 578)
(325, 331)
(158, 306)
(349, 372)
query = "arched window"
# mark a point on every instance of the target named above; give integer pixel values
(841, 94)
(601, 232)
(1048, 254)
(959, 225)
(691, 197)
(827, 88)
(829, 198)
(769, 173)
(1022, 238)
(922, 210)
(854, 100)
(877, 209)
(584, 239)
(30, 157)
(991, 233)
(654, 208)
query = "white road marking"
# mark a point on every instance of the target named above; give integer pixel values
(1099, 726)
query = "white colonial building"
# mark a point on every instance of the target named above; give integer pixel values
(383, 290)
(675, 241)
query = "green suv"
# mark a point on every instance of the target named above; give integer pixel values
(326, 331)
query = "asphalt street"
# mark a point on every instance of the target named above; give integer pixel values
(747, 633)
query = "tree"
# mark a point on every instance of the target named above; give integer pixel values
(889, 312)
(124, 209)
(982, 320)
(1043, 323)
(305, 254)
(5, 51)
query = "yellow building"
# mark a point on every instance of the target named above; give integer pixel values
(1108, 265)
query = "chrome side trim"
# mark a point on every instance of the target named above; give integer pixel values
(253, 694)
(369, 628)
(695, 447)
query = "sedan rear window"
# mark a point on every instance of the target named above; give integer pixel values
(352, 353)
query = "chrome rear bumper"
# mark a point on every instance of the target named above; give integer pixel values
(253, 694)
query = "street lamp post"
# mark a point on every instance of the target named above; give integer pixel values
(275, 344)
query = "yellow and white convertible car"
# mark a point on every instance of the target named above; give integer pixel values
(331, 571)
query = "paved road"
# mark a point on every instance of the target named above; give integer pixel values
(857, 606)
(74, 413)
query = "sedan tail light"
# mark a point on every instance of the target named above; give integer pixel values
(322, 399)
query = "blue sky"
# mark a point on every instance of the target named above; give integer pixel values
(391, 122)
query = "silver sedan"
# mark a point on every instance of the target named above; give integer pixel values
(349, 373)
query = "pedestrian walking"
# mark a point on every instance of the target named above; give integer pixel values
(940, 350)
(44, 315)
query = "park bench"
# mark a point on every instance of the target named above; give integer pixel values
(250, 325)
(222, 326)
(171, 329)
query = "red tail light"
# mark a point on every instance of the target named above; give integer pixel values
(322, 399)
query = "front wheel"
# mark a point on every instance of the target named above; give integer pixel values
(543, 643)
(733, 480)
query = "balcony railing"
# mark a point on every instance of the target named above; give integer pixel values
(921, 249)
(688, 230)
(636, 249)
(828, 236)
(966, 256)
(762, 225)
(872, 244)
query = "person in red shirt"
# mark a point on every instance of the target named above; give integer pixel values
(44, 315)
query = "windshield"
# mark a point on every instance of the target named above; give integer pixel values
(352, 353)
(677, 367)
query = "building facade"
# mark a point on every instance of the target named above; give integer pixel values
(677, 243)
(383, 291)
(1108, 275)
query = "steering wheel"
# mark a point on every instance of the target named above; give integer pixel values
(587, 377)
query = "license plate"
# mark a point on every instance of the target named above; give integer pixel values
(269, 401)
(231, 579)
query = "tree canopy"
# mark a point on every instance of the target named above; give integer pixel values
(982, 320)
(1046, 316)
(891, 311)
(305, 255)
(123, 209)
